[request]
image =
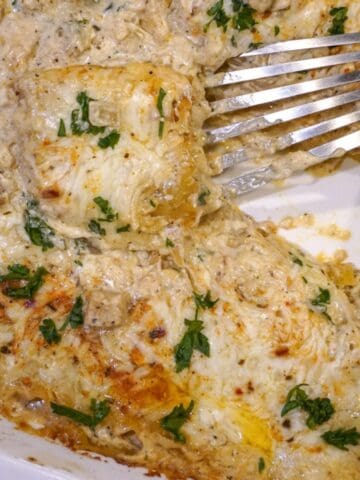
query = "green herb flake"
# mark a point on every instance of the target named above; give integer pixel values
(219, 16)
(152, 203)
(80, 121)
(261, 465)
(160, 108)
(244, 18)
(95, 227)
(84, 101)
(305, 280)
(110, 140)
(341, 437)
(62, 130)
(192, 340)
(237, 5)
(296, 259)
(202, 197)
(276, 30)
(30, 283)
(106, 209)
(38, 230)
(169, 243)
(16, 272)
(176, 419)
(49, 331)
(255, 46)
(204, 301)
(76, 315)
(319, 409)
(322, 299)
(339, 15)
(76, 128)
(124, 228)
(161, 128)
(321, 302)
(99, 410)
(159, 103)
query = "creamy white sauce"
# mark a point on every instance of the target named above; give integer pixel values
(264, 333)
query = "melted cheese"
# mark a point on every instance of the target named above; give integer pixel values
(264, 332)
(149, 181)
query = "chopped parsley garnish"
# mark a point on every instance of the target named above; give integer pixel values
(95, 227)
(49, 331)
(319, 409)
(276, 30)
(110, 216)
(341, 437)
(80, 121)
(321, 302)
(76, 315)
(38, 230)
(204, 301)
(160, 108)
(16, 272)
(76, 128)
(169, 243)
(261, 465)
(176, 419)
(193, 339)
(219, 16)
(339, 15)
(75, 319)
(106, 209)
(243, 18)
(304, 280)
(322, 299)
(202, 197)
(296, 259)
(62, 129)
(237, 4)
(255, 46)
(152, 203)
(110, 140)
(125, 228)
(27, 283)
(99, 410)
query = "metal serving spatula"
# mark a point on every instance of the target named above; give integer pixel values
(257, 177)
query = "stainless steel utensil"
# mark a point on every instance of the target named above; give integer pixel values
(257, 177)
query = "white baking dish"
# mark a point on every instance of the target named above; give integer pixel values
(333, 200)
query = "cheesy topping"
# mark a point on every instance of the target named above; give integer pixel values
(142, 315)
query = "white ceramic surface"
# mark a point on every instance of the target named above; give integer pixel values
(333, 199)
